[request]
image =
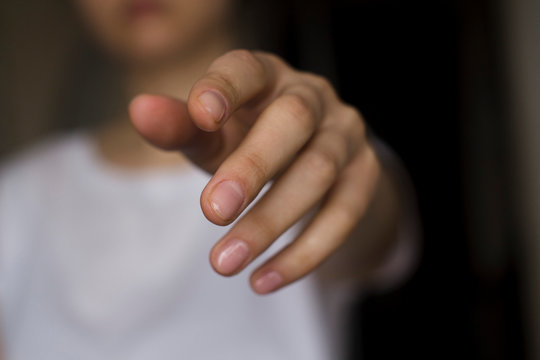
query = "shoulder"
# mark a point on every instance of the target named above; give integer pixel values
(39, 157)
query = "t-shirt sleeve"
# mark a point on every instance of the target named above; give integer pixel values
(404, 257)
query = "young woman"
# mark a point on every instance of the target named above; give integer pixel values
(102, 242)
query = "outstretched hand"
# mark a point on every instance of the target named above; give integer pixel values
(252, 118)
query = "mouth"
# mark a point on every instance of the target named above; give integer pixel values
(138, 9)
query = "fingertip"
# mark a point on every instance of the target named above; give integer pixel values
(266, 281)
(141, 109)
(161, 120)
(209, 211)
(213, 259)
(208, 107)
(137, 101)
(228, 257)
(214, 104)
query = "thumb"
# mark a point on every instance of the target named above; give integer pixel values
(165, 123)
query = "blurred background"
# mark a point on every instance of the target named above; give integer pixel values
(452, 85)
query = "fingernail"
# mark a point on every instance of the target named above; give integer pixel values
(214, 103)
(233, 256)
(227, 199)
(268, 282)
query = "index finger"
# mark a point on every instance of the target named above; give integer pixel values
(201, 128)
(236, 79)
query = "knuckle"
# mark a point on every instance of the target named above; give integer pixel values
(352, 122)
(316, 100)
(312, 254)
(258, 169)
(273, 59)
(248, 59)
(350, 113)
(322, 83)
(306, 261)
(323, 165)
(346, 217)
(300, 110)
(266, 230)
(373, 161)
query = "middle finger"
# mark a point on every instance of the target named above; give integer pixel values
(276, 137)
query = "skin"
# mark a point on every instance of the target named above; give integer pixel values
(247, 117)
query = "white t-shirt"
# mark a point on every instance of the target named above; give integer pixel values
(101, 263)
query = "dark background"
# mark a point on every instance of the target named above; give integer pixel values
(429, 78)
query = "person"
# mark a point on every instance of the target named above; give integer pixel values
(102, 246)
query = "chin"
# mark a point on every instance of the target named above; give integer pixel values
(153, 48)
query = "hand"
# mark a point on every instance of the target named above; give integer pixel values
(251, 119)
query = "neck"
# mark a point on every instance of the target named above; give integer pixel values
(118, 142)
(121, 146)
